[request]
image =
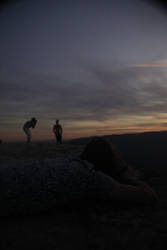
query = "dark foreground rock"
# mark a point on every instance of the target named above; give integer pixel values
(96, 227)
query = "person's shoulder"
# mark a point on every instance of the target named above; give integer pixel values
(82, 163)
(27, 123)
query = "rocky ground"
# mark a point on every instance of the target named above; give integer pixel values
(95, 228)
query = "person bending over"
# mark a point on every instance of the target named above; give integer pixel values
(29, 124)
(97, 175)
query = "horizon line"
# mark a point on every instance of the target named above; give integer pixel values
(84, 137)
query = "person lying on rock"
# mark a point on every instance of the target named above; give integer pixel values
(106, 159)
(97, 175)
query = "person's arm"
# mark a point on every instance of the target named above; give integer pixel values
(140, 193)
(33, 124)
(125, 174)
(61, 130)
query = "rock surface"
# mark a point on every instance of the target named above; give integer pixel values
(101, 227)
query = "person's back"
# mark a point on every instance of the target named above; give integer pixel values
(29, 124)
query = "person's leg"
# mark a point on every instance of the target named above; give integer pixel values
(60, 139)
(57, 139)
(28, 134)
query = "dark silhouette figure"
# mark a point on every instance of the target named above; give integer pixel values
(58, 131)
(104, 157)
(29, 124)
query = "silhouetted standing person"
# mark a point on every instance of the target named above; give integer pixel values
(58, 131)
(29, 124)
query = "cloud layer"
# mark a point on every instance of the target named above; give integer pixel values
(121, 96)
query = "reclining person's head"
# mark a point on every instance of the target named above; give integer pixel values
(101, 154)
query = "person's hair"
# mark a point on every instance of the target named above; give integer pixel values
(100, 152)
(34, 119)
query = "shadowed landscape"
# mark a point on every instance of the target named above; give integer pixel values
(106, 226)
(101, 68)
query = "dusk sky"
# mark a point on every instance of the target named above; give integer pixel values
(98, 66)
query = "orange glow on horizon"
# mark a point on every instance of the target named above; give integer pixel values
(68, 134)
